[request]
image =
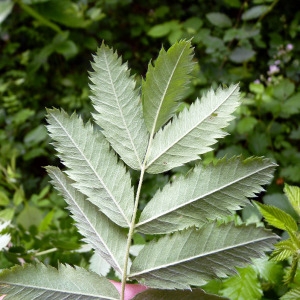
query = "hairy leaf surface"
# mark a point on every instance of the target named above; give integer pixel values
(92, 166)
(192, 257)
(165, 84)
(102, 234)
(119, 108)
(205, 193)
(194, 130)
(31, 282)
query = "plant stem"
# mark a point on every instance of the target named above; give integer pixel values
(45, 252)
(268, 11)
(132, 225)
(131, 230)
(38, 16)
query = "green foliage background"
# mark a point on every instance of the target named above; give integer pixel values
(45, 51)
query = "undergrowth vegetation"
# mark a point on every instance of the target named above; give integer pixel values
(46, 47)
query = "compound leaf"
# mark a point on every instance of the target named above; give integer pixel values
(92, 165)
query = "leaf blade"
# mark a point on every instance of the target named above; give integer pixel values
(244, 285)
(277, 217)
(92, 166)
(30, 282)
(206, 193)
(103, 235)
(119, 112)
(184, 263)
(194, 130)
(165, 83)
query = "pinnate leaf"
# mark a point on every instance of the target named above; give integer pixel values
(165, 84)
(31, 282)
(92, 165)
(192, 257)
(101, 199)
(118, 106)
